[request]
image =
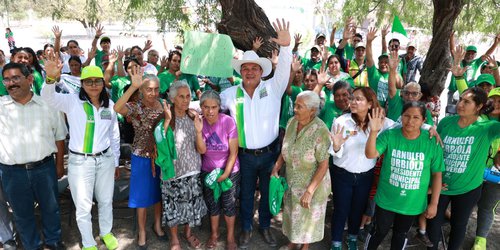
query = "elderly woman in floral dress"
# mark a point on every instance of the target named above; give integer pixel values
(305, 151)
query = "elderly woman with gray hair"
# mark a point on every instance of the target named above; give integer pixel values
(144, 114)
(182, 195)
(219, 152)
(305, 152)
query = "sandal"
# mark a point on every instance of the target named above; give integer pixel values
(175, 246)
(211, 243)
(193, 241)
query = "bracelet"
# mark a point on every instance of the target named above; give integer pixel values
(495, 68)
(49, 80)
(96, 37)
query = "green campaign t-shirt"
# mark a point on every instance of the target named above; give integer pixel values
(118, 83)
(379, 82)
(98, 59)
(329, 112)
(495, 145)
(406, 171)
(295, 92)
(349, 52)
(37, 82)
(395, 109)
(308, 64)
(465, 152)
(166, 79)
(286, 110)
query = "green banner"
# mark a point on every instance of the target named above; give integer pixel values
(207, 54)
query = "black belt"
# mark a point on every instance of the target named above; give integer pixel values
(259, 151)
(32, 165)
(92, 155)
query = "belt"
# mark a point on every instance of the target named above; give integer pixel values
(92, 155)
(259, 151)
(32, 165)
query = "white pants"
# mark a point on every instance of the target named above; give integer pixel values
(87, 174)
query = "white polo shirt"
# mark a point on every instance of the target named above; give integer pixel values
(351, 155)
(106, 133)
(261, 113)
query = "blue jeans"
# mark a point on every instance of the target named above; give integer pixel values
(5, 217)
(252, 168)
(490, 198)
(25, 187)
(350, 195)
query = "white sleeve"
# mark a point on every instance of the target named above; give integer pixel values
(61, 102)
(282, 72)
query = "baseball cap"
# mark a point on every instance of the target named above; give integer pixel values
(105, 39)
(471, 48)
(316, 47)
(359, 45)
(485, 78)
(383, 55)
(91, 71)
(494, 92)
(320, 35)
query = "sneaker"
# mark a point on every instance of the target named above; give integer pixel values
(90, 248)
(423, 239)
(110, 241)
(363, 233)
(352, 244)
(10, 245)
(479, 243)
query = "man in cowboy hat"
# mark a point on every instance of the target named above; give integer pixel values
(255, 105)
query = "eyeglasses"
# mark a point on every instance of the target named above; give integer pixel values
(96, 82)
(14, 79)
(410, 93)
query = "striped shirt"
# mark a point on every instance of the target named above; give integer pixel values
(28, 132)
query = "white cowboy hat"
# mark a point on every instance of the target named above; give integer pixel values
(251, 57)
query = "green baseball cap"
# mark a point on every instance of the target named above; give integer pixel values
(471, 48)
(494, 92)
(383, 55)
(91, 71)
(485, 78)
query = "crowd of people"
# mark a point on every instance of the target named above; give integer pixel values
(335, 123)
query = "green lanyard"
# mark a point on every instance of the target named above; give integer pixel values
(88, 139)
(240, 120)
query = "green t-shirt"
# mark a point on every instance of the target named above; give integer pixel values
(495, 145)
(308, 64)
(395, 108)
(118, 83)
(465, 152)
(37, 82)
(166, 78)
(406, 171)
(3, 90)
(470, 75)
(295, 92)
(342, 76)
(329, 112)
(286, 111)
(98, 59)
(349, 52)
(379, 82)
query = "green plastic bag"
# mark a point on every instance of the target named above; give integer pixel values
(165, 144)
(217, 187)
(277, 188)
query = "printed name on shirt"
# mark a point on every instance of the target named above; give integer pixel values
(263, 93)
(457, 152)
(406, 169)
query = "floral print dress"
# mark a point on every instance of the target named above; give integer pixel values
(302, 153)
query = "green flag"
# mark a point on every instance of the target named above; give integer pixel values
(397, 27)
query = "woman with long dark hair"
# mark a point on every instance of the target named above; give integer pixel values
(27, 56)
(94, 149)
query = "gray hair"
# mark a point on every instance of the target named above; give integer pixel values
(414, 85)
(176, 85)
(152, 78)
(311, 99)
(210, 95)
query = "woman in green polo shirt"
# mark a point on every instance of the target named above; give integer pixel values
(411, 161)
(466, 145)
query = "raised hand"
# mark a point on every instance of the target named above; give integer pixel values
(394, 60)
(282, 29)
(324, 54)
(113, 56)
(338, 138)
(57, 32)
(376, 118)
(135, 73)
(257, 43)
(121, 52)
(166, 110)
(92, 52)
(147, 45)
(99, 31)
(491, 60)
(296, 64)
(198, 122)
(323, 77)
(371, 35)
(458, 53)
(297, 37)
(164, 62)
(385, 30)
(53, 66)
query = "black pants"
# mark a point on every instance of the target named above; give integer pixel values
(461, 209)
(384, 219)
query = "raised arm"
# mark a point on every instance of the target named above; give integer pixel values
(452, 43)
(119, 66)
(332, 36)
(385, 31)
(349, 31)
(57, 42)
(98, 34)
(297, 42)
(91, 55)
(372, 33)
(323, 78)
(296, 66)
(491, 61)
(282, 72)
(136, 78)
(457, 70)
(393, 73)
(492, 48)
(108, 72)
(201, 147)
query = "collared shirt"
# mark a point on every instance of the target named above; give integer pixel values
(28, 132)
(351, 155)
(106, 133)
(261, 113)
(412, 65)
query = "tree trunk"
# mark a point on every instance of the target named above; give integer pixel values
(243, 21)
(438, 60)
